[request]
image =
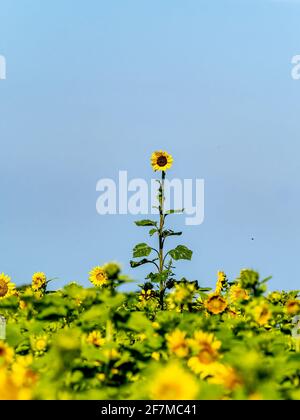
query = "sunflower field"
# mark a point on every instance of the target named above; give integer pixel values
(172, 339)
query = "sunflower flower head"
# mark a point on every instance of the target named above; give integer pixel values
(98, 277)
(39, 282)
(95, 339)
(205, 347)
(237, 293)
(221, 282)
(177, 343)
(146, 295)
(293, 307)
(262, 314)
(224, 375)
(6, 353)
(161, 161)
(172, 382)
(7, 288)
(39, 344)
(215, 304)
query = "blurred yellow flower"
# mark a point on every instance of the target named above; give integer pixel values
(7, 288)
(6, 353)
(95, 339)
(9, 390)
(155, 356)
(215, 304)
(39, 281)
(173, 383)
(146, 295)
(293, 307)
(221, 282)
(237, 293)
(40, 343)
(161, 161)
(206, 346)
(177, 343)
(224, 375)
(262, 314)
(98, 276)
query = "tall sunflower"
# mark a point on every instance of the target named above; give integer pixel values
(39, 281)
(161, 161)
(7, 288)
(98, 276)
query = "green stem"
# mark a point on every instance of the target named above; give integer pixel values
(160, 235)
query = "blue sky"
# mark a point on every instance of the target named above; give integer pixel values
(94, 87)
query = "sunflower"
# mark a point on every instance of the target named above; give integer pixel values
(177, 343)
(173, 383)
(147, 295)
(6, 353)
(161, 161)
(237, 293)
(7, 288)
(206, 346)
(215, 304)
(98, 276)
(262, 314)
(40, 343)
(95, 338)
(39, 281)
(221, 282)
(293, 307)
(224, 375)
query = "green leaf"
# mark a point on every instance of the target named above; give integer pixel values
(141, 250)
(174, 211)
(170, 232)
(181, 252)
(152, 231)
(146, 222)
(134, 264)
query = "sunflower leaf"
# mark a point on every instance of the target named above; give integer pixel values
(170, 232)
(134, 264)
(141, 250)
(146, 222)
(181, 252)
(174, 211)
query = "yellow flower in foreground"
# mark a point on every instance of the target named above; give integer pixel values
(177, 343)
(224, 375)
(262, 314)
(293, 307)
(40, 343)
(215, 304)
(173, 383)
(161, 161)
(237, 293)
(221, 282)
(39, 281)
(7, 288)
(206, 346)
(22, 374)
(98, 276)
(6, 353)
(95, 338)
(9, 390)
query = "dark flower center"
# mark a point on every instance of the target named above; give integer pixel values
(3, 288)
(162, 161)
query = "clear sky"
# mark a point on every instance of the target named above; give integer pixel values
(93, 87)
